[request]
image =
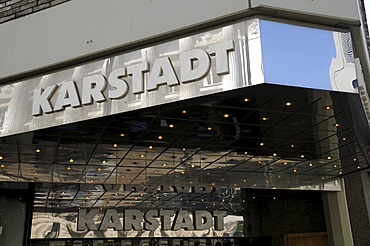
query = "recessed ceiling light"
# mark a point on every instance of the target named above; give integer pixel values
(288, 104)
(99, 169)
(344, 139)
(274, 154)
(226, 115)
(265, 118)
(150, 147)
(182, 172)
(310, 164)
(209, 128)
(329, 157)
(2, 165)
(1, 157)
(184, 112)
(71, 160)
(142, 155)
(262, 144)
(302, 156)
(327, 107)
(336, 124)
(37, 150)
(246, 99)
(68, 168)
(285, 163)
(171, 126)
(103, 161)
(160, 137)
(115, 145)
(164, 164)
(122, 135)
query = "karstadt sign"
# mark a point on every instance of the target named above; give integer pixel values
(194, 65)
(214, 61)
(134, 219)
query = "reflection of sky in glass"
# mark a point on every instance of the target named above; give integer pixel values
(296, 56)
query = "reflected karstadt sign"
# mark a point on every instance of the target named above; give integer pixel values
(134, 219)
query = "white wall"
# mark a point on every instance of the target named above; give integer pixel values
(64, 32)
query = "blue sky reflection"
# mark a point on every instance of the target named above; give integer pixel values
(296, 55)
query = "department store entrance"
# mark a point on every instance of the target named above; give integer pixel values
(263, 157)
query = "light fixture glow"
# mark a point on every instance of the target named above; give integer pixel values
(115, 145)
(209, 128)
(262, 144)
(160, 137)
(150, 147)
(310, 164)
(171, 126)
(164, 164)
(184, 112)
(71, 160)
(265, 118)
(288, 104)
(37, 150)
(68, 168)
(226, 115)
(122, 135)
(103, 161)
(246, 99)
(327, 107)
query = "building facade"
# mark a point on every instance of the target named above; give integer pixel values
(184, 123)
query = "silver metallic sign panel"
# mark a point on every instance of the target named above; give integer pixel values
(235, 56)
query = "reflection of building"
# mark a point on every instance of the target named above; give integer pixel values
(148, 125)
